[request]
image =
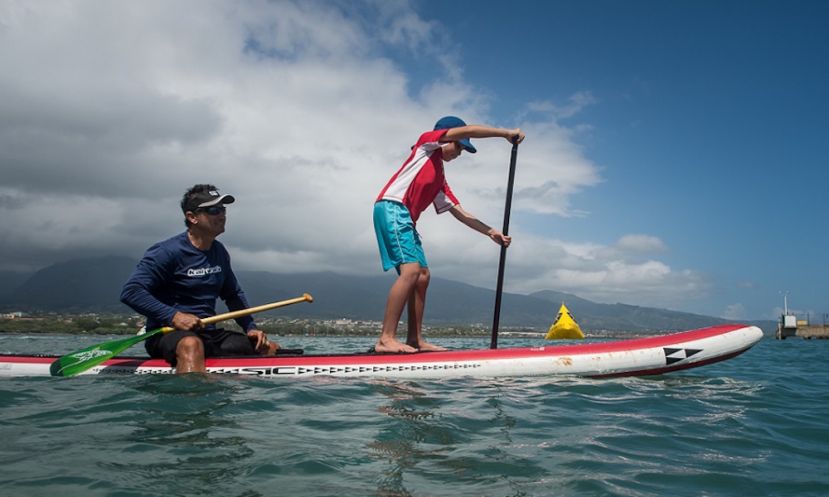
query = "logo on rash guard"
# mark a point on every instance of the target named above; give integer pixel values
(204, 271)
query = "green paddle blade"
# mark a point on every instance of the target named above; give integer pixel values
(79, 361)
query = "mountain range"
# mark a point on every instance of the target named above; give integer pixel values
(94, 285)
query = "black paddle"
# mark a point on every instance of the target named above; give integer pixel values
(500, 287)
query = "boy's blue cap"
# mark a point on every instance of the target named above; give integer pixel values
(455, 122)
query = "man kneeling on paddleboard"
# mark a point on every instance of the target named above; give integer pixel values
(177, 283)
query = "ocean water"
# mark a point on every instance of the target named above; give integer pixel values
(755, 425)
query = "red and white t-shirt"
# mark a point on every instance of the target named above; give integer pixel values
(420, 180)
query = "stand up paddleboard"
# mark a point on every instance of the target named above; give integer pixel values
(636, 357)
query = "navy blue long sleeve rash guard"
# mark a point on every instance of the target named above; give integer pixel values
(175, 276)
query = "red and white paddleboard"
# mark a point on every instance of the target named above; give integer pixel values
(636, 357)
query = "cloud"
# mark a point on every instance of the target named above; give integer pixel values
(110, 110)
(575, 104)
(590, 270)
(734, 312)
(640, 243)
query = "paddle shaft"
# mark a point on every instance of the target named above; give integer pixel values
(493, 344)
(246, 312)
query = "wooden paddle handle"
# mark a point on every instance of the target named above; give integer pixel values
(246, 312)
(253, 310)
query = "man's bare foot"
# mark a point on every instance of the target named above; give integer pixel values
(428, 347)
(272, 348)
(393, 346)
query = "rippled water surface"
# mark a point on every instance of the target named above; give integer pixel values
(755, 425)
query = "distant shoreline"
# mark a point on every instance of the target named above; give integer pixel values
(120, 324)
(431, 332)
(98, 324)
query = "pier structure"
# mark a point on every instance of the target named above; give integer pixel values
(790, 326)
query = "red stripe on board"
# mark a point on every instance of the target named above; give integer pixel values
(27, 359)
(482, 354)
(424, 357)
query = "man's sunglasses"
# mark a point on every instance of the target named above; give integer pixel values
(213, 210)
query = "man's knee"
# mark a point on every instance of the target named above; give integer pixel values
(190, 346)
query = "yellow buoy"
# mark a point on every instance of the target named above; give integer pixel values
(564, 327)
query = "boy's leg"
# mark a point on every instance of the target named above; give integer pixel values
(417, 304)
(399, 294)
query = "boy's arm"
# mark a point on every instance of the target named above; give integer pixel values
(479, 226)
(479, 131)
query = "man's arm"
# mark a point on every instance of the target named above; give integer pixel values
(479, 226)
(234, 297)
(150, 275)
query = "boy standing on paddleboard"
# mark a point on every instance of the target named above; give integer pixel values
(177, 283)
(419, 182)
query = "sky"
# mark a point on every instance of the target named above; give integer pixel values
(675, 153)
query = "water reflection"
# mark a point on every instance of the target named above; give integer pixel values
(446, 431)
(194, 443)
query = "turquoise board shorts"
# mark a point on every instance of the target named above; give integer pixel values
(397, 238)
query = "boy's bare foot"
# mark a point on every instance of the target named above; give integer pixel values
(393, 346)
(428, 347)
